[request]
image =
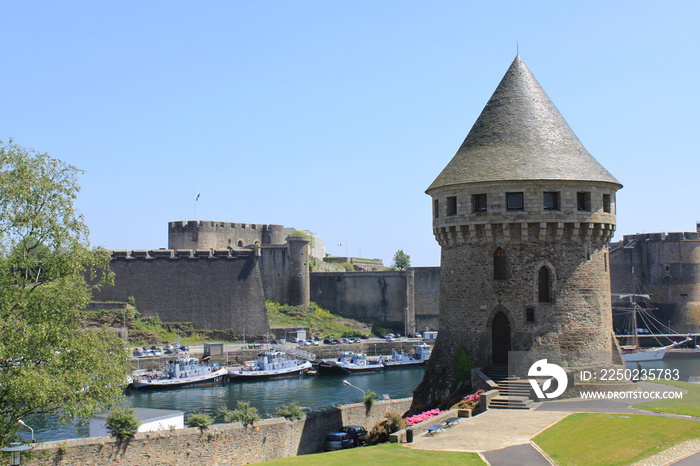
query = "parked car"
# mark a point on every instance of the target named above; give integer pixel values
(358, 434)
(137, 353)
(337, 441)
(184, 348)
(327, 341)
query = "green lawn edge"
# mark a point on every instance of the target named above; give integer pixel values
(689, 405)
(613, 439)
(387, 453)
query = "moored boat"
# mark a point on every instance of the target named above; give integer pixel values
(271, 365)
(183, 372)
(349, 363)
(421, 354)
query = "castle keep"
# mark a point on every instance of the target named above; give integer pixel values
(523, 215)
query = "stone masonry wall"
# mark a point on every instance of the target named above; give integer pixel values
(382, 297)
(217, 289)
(219, 445)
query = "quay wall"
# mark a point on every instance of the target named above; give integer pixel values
(220, 444)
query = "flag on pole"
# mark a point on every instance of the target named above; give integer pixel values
(197, 197)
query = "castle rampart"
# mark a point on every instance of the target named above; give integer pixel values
(666, 266)
(213, 289)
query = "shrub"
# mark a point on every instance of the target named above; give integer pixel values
(243, 413)
(368, 398)
(383, 429)
(469, 401)
(122, 423)
(290, 411)
(201, 420)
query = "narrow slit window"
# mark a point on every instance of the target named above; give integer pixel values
(544, 285)
(436, 208)
(499, 264)
(607, 205)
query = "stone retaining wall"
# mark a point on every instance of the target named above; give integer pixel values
(220, 444)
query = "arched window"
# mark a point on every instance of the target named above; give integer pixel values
(544, 285)
(499, 265)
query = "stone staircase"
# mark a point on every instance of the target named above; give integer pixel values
(514, 392)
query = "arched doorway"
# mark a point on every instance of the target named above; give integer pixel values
(500, 338)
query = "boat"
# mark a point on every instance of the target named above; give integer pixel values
(271, 365)
(421, 354)
(183, 372)
(349, 362)
(633, 352)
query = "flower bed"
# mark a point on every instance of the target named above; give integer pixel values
(413, 420)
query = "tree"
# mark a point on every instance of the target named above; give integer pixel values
(48, 362)
(401, 260)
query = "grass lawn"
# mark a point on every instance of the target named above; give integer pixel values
(388, 453)
(613, 439)
(688, 405)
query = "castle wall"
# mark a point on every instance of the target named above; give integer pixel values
(666, 266)
(381, 297)
(217, 289)
(220, 235)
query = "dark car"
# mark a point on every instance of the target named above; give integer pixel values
(337, 441)
(358, 434)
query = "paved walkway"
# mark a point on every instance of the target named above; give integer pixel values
(502, 436)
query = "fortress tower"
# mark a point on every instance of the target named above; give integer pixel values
(523, 215)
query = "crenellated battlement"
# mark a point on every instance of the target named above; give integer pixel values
(177, 254)
(676, 236)
(206, 225)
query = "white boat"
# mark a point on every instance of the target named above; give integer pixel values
(271, 365)
(349, 363)
(633, 352)
(421, 354)
(184, 372)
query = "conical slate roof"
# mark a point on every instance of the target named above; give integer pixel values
(520, 135)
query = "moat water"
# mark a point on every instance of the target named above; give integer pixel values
(315, 392)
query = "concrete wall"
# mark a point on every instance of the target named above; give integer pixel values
(217, 289)
(221, 444)
(403, 301)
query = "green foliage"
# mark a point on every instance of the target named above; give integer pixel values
(368, 398)
(320, 321)
(463, 370)
(401, 260)
(48, 361)
(243, 413)
(290, 411)
(348, 266)
(122, 423)
(383, 429)
(201, 420)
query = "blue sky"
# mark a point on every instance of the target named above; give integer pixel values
(335, 116)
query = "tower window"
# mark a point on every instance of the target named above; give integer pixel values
(583, 201)
(530, 314)
(550, 200)
(499, 265)
(514, 201)
(544, 285)
(607, 205)
(479, 202)
(436, 208)
(451, 206)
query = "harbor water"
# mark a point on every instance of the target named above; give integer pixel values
(314, 392)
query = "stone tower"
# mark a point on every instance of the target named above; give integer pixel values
(523, 215)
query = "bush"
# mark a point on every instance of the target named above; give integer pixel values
(243, 413)
(368, 398)
(383, 429)
(122, 423)
(201, 420)
(290, 411)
